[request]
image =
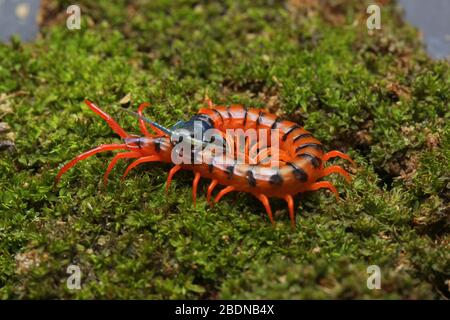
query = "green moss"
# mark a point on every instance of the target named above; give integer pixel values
(376, 96)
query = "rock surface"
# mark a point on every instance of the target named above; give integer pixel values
(19, 17)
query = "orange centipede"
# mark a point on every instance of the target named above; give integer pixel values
(293, 164)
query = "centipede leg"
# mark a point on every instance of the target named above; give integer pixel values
(142, 124)
(211, 187)
(336, 169)
(223, 192)
(265, 201)
(171, 174)
(138, 162)
(326, 185)
(114, 161)
(87, 154)
(194, 187)
(333, 154)
(109, 120)
(209, 102)
(290, 203)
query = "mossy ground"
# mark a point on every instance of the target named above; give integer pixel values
(375, 95)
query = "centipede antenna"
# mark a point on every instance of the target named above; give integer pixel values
(155, 124)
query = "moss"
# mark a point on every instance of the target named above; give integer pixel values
(375, 95)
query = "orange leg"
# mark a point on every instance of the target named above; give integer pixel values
(265, 202)
(290, 203)
(334, 154)
(194, 187)
(138, 162)
(109, 120)
(142, 124)
(326, 185)
(171, 174)
(211, 187)
(114, 161)
(87, 154)
(336, 169)
(209, 102)
(223, 192)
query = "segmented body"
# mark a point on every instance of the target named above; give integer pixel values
(299, 167)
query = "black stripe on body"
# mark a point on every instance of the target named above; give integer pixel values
(158, 145)
(316, 146)
(299, 173)
(245, 115)
(315, 161)
(220, 115)
(230, 171)
(258, 121)
(290, 130)
(251, 178)
(302, 136)
(275, 123)
(230, 116)
(205, 118)
(276, 179)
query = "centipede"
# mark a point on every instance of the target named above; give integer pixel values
(289, 162)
